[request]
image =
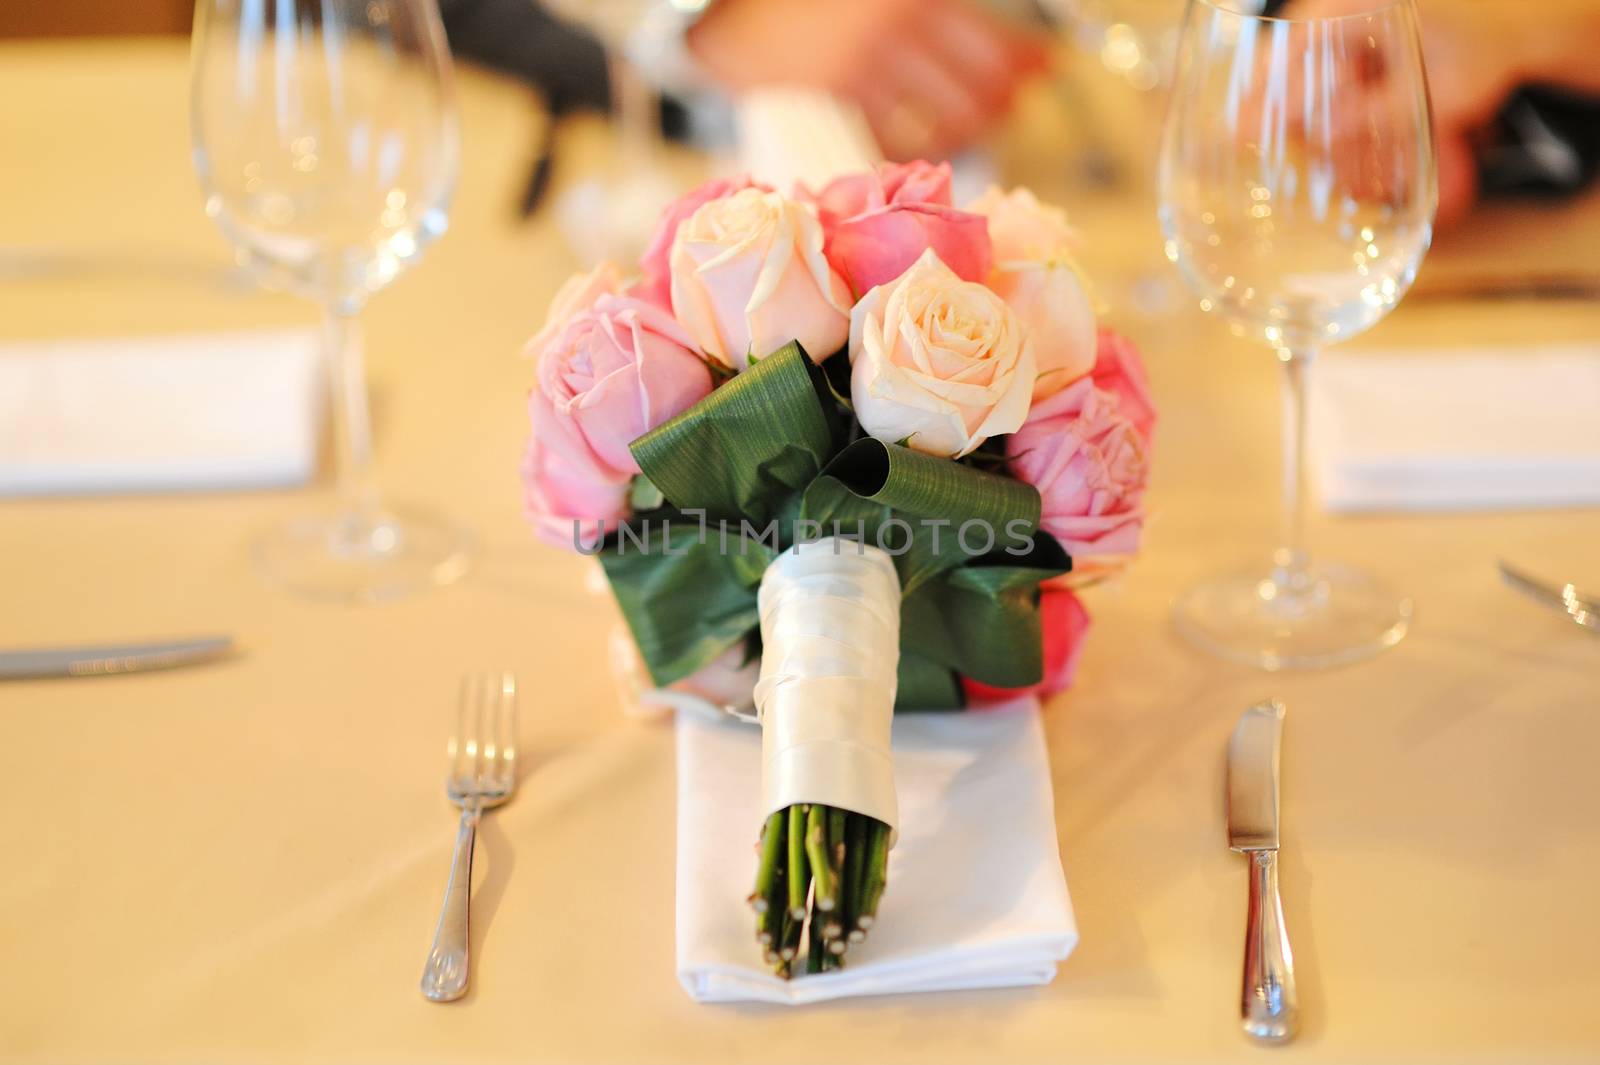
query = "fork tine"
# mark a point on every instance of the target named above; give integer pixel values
(482, 751)
(456, 750)
(479, 711)
(508, 749)
(490, 738)
(492, 729)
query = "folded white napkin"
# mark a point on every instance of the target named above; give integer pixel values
(1457, 430)
(975, 899)
(155, 414)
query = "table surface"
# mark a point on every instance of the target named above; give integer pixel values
(243, 862)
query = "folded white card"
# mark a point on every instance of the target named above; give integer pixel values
(976, 897)
(159, 414)
(1457, 430)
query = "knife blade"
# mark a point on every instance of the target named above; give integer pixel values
(1253, 778)
(112, 658)
(1269, 1006)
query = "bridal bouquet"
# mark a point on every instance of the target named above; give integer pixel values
(861, 435)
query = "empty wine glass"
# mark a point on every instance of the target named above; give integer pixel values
(326, 140)
(1297, 194)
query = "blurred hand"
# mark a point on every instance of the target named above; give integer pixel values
(1474, 63)
(1477, 52)
(931, 75)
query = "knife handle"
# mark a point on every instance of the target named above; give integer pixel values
(1269, 1008)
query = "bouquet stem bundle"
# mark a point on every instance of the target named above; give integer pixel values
(821, 874)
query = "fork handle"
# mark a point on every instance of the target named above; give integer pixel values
(444, 977)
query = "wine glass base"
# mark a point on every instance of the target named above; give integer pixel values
(349, 557)
(1333, 616)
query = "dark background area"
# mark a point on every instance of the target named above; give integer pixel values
(86, 18)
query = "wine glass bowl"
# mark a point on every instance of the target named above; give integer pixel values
(1297, 194)
(1301, 206)
(327, 145)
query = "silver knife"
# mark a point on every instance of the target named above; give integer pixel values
(1269, 1007)
(114, 658)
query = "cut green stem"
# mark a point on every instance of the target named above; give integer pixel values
(827, 884)
(836, 822)
(772, 840)
(855, 846)
(876, 873)
(799, 878)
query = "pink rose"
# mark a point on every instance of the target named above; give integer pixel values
(1090, 466)
(881, 222)
(1064, 624)
(1118, 369)
(748, 276)
(571, 504)
(576, 294)
(616, 371)
(1035, 273)
(612, 373)
(655, 264)
(903, 184)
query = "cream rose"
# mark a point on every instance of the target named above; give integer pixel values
(1036, 274)
(939, 363)
(748, 276)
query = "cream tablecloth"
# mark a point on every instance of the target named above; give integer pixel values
(243, 863)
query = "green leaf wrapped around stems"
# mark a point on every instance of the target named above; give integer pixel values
(751, 446)
(982, 620)
(931, 513)
(686, 599)
(922, 683)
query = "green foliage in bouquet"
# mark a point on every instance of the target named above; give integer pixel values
(775, 454)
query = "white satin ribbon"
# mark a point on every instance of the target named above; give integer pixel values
(830, 632)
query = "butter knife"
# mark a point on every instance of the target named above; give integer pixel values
(112, 658)
(1269, 1008)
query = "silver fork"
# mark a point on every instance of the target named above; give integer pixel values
(482, 774)
(1580, 608)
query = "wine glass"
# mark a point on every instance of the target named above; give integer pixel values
(1297, 193)
(326, 140)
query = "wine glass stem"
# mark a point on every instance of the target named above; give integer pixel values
(352, 425)
(1290, 571)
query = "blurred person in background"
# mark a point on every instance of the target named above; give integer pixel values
(1516, 94)
(930, 75)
